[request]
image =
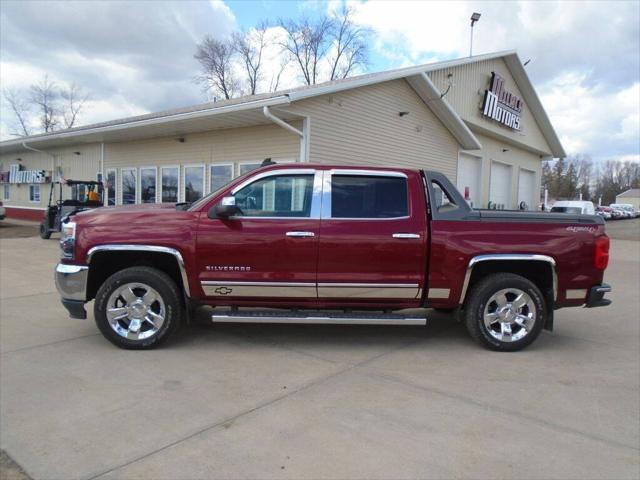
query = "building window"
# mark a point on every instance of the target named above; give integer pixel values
(7, 192)
(128, 186)
(34, 193)
(193, 183)
(247, 167)
(111, 186)
(148, 184)
(359, 196)
(169, 187)
(219, 175)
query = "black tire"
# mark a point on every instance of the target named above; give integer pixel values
(157, 280)
(482, 292)
(45, 233)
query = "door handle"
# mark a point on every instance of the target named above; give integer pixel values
(405, 235)
(301, 234)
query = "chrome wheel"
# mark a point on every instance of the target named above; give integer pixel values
(135, 311)
(509, 315)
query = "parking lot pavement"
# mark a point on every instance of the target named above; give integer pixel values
(287, 401)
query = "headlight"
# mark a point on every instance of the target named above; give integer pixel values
(68, 240)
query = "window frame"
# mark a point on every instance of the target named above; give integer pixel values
(183, 178)
(6, 194)
(139, 187)
(314, 213)
(252, 162)
(326, 213)
(114, 186)
(169, 167)
(122, 170)
(211, 165)
(33, 186)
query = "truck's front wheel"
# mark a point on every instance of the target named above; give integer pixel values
(505, 312)
(138, 308)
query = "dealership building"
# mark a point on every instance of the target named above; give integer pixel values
(478, 120)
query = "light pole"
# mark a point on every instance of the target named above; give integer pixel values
(474, 18)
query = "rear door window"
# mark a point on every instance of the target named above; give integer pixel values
(363, 196)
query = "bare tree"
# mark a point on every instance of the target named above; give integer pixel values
(74, 99)
(19, 105)
(249, 47)
(216, 63)
(350, 45)
(307, 43)
(275, 80)
(54, 107)
(43, 97)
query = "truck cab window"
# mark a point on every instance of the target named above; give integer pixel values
(277, 196)
(362, 196)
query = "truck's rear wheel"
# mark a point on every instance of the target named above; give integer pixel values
(138, 308)
(45, 233)
(505, 312)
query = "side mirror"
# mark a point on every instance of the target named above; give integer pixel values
(225, 209)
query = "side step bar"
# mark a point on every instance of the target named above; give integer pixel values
(314, 317)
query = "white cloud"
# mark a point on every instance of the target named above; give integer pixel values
(131, 57)
(585, 60)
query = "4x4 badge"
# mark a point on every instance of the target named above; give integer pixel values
(223, 290)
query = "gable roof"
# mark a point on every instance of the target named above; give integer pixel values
(415, 75)
(631, 193)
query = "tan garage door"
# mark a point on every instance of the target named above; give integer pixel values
(526, 189)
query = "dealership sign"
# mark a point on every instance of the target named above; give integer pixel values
(501, 105)
(17, 175)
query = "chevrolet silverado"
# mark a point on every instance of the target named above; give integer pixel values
(310, 243)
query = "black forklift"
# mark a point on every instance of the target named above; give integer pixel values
(85, 195)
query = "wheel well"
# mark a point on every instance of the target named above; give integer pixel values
(105, 264)
(539, 272)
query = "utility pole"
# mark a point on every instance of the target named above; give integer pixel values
(474, 18)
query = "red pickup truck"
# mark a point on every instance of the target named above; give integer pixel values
(330, 244)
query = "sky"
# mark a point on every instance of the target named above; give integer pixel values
(134, 57)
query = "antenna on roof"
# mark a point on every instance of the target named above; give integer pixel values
(267, 161)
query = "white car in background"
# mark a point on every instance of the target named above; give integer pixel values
(626, 208)
(580, 207)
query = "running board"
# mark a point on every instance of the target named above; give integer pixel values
(319, 318)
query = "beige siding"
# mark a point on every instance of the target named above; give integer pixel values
(492, 151)
(362, 126)
(238, 145)
(469, 83)
(84, 166)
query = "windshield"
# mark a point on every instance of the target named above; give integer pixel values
(577, 210)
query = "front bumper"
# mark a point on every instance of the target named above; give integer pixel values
(596, 296)
(71, 282)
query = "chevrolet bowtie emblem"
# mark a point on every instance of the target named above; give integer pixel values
(223, 290)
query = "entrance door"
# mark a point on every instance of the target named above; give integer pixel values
(269, 251)
(469, 178)
(372, 238)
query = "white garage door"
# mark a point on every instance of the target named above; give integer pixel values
(526, 189)
(500, 185)
(469, 177)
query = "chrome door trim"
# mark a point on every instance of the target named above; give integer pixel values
(315, 195)
(405, 235)
(509, 257)
(325, 209)
(145, 248)
(407, 291)
(300, 234)
(258, 289)
(438, 293)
